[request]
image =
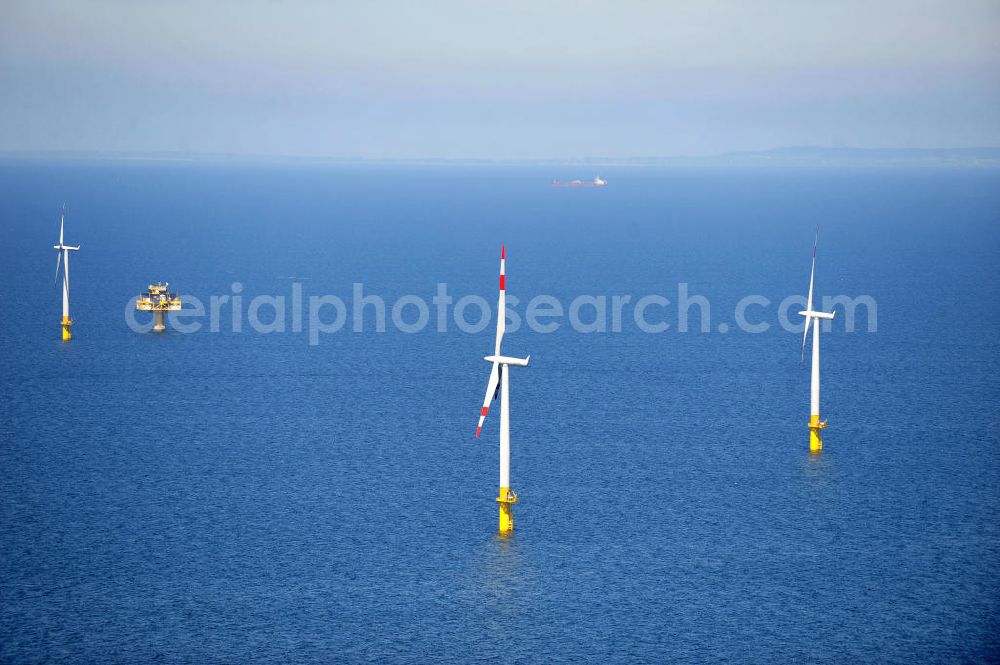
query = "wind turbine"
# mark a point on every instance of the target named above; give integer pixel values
(500, 374)
(816, 426)
(63, 256)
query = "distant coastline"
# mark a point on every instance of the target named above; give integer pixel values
(795, 156)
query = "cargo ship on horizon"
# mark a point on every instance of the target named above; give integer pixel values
(596, 182)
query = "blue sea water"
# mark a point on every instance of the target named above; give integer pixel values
(246, 497)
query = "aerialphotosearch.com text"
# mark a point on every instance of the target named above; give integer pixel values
(319, 315)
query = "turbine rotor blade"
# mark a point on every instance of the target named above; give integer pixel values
(496, 393)
(502, 302)
(812, 273)
(809, 299)
(805, 333)
(58, 260)
(62, 224)
(491, 389)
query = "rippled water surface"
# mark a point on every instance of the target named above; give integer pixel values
(248, 497)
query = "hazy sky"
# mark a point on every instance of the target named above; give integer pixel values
(496, 79)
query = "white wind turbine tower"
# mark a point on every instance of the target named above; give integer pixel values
(500, 374)
(63, 256)
(816, 426)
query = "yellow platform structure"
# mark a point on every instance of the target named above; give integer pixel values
(816, 428)
(506, 501)
(157, 299)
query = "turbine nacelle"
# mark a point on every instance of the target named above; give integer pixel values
(507, 360)
(809, 314)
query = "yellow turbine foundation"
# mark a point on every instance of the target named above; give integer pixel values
(816, 434)
(506, 499)
(66, 334)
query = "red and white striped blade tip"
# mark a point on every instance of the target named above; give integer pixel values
(503, 251)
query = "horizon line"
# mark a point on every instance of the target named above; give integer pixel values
(989, 155)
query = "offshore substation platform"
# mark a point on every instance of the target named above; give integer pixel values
(158, 300)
